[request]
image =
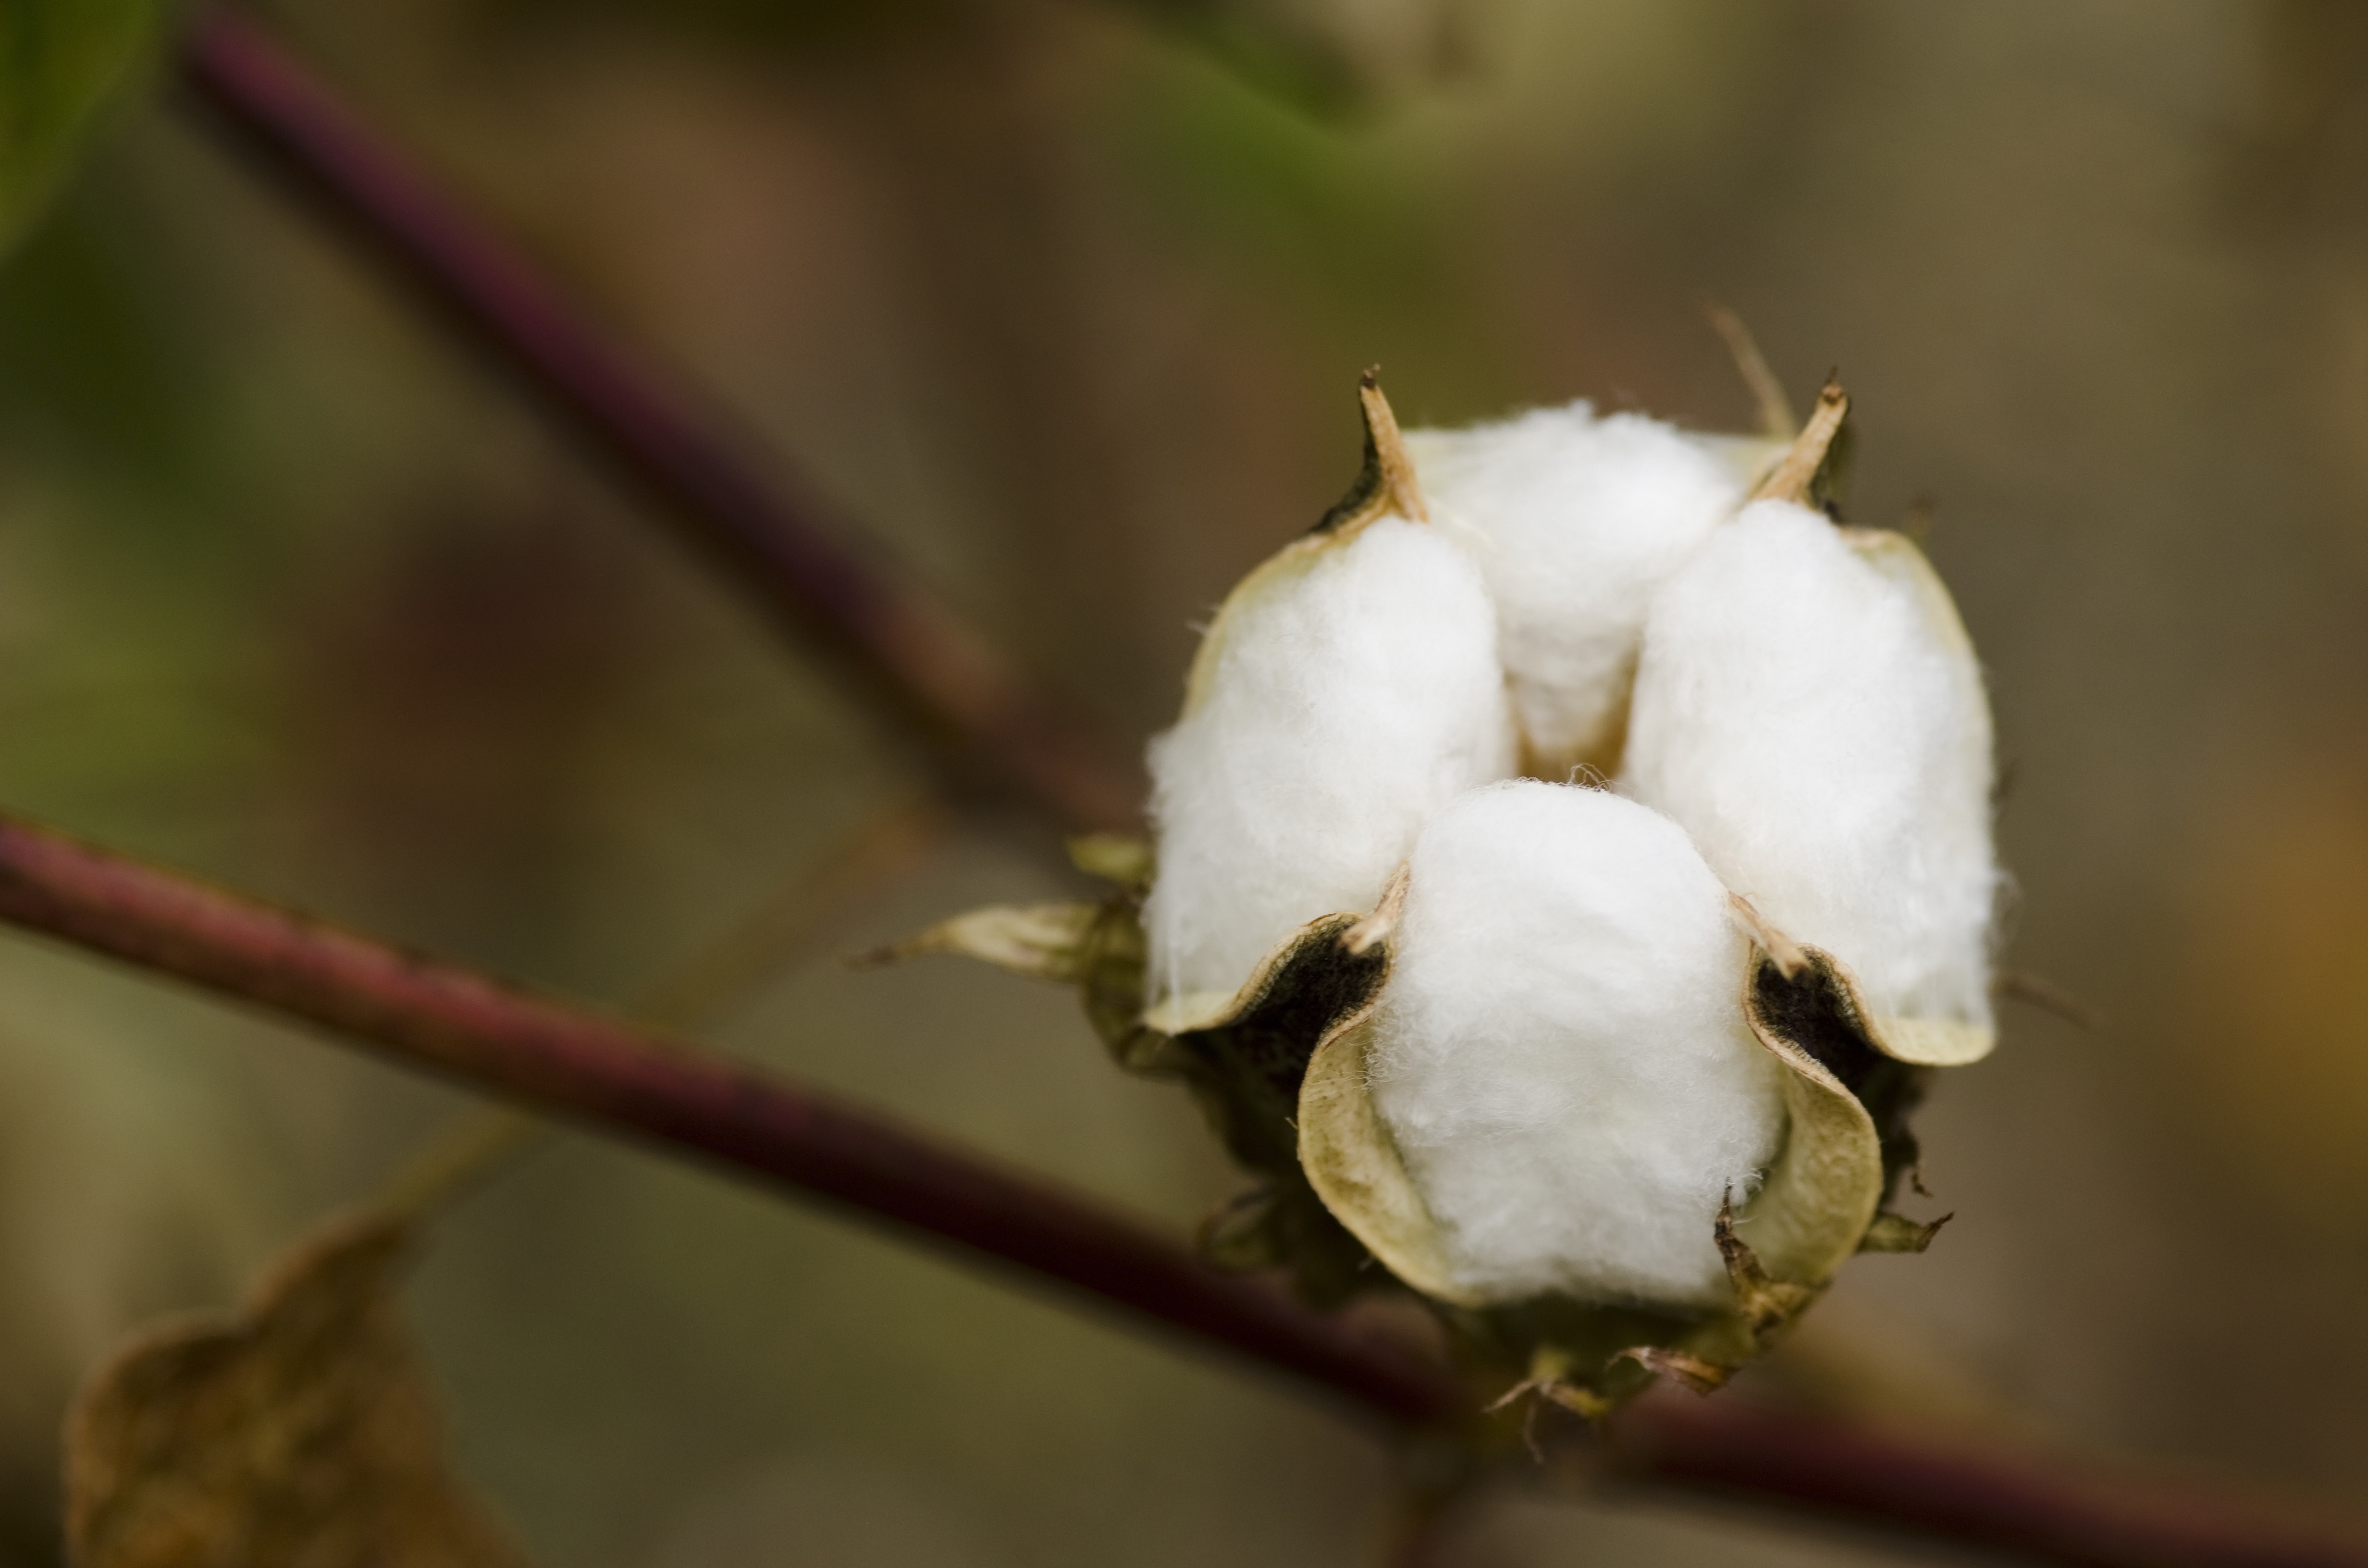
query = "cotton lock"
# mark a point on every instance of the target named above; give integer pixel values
(1347, 690)
(1574, 522)
(1560, 1053)
(1807, 707)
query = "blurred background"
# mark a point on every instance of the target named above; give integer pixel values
(1064, 300)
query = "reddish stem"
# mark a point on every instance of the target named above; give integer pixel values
(2054, 1513)
(613, 1075)
(906, 648)
(606, 1072)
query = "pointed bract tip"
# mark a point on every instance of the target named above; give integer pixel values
(1400, 493)
(1794, 478)
(1386, 484)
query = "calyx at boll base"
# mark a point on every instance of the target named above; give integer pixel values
(1282, 1061)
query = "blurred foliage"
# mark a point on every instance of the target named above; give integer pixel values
(60, 62)
(795, 27)
(1327, 58)
(1063, 306)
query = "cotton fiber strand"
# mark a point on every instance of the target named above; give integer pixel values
(1345, 693)
(1808, 707)
(1574, 521)
(1560, 1052)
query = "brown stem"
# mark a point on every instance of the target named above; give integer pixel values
(906, 649)
(619, 1078)
(602, 1071)
(2050, 1513)
(687, 995)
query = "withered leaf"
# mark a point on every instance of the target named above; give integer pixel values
(1896, 1233)
(1242, 1057)
(298, 1432)
(1040, 940)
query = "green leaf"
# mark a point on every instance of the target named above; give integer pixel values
(61, 64)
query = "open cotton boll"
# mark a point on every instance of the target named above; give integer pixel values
(1574, 522)
(1560, 1053)
(1809, 706)
(1347, 691)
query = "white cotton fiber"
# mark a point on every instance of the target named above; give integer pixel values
(1560, 1053)
(1575, 521)
(1346, 692)
(1807, 706)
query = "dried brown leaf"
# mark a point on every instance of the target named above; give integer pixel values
(1896, 1233)
(1040, 940)
(299, 1432)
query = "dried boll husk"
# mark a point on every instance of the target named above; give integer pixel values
(1561, 1056)
(1588, 1307)
(1363, 1180)
(1574, 522)
(1809, 706)
(1243, 1062)
(1348, 689)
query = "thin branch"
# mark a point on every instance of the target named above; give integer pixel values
(689, 994)
(907, 650)
(619, 1078)
(2047, 1512)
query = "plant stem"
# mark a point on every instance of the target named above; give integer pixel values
(2049, 1512)
(614, 1076)
(905, 650)
(692, 993)
(611, 1075)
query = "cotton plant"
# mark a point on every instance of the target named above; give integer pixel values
(1572, 858)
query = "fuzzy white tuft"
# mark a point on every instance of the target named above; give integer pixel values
(1344, 695)
(1815, 719)
(1560, 1052)
(1575, 521)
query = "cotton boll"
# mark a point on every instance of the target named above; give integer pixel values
(1575, 521)
(1560, 1053)
(1809, 706)
(1347, 691)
